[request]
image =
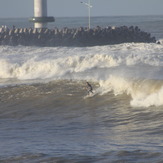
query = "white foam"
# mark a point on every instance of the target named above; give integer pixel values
(115, 67)
(143, 92)
(32, 62)
(153, 99)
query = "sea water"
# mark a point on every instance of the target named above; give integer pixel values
(46, 115)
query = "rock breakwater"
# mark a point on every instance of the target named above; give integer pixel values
(73, 37)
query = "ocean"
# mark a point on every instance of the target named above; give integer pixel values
(47, 116)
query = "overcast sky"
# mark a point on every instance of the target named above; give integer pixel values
(63, 8)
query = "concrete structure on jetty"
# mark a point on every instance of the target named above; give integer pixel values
(40, 18)
(73, 37)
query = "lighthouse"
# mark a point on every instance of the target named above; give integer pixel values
(40, 18)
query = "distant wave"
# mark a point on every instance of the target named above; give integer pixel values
(54, 63)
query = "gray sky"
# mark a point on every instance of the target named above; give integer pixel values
(63, 8)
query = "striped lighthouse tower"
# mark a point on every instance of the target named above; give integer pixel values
(40, 18)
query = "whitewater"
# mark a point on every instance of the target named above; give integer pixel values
(132, 69)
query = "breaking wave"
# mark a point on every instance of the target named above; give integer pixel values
(133, 69)
(143, 92)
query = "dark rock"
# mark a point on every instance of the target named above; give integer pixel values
(73, 37)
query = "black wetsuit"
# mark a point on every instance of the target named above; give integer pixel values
(90, 89)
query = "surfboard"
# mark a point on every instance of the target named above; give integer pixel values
(89, 95)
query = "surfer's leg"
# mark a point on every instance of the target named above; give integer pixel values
(90, 92)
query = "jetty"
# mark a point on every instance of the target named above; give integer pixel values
(41, 36)
(78, 37)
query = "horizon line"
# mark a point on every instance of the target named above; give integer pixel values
(86, 16)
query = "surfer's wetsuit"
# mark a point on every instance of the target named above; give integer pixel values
(90, 89)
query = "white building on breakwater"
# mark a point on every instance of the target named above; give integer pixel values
(40, 18)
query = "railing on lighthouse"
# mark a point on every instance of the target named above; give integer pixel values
(40, 18)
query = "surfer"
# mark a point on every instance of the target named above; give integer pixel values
(89, 88)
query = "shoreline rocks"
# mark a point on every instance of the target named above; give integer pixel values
(79, 37)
